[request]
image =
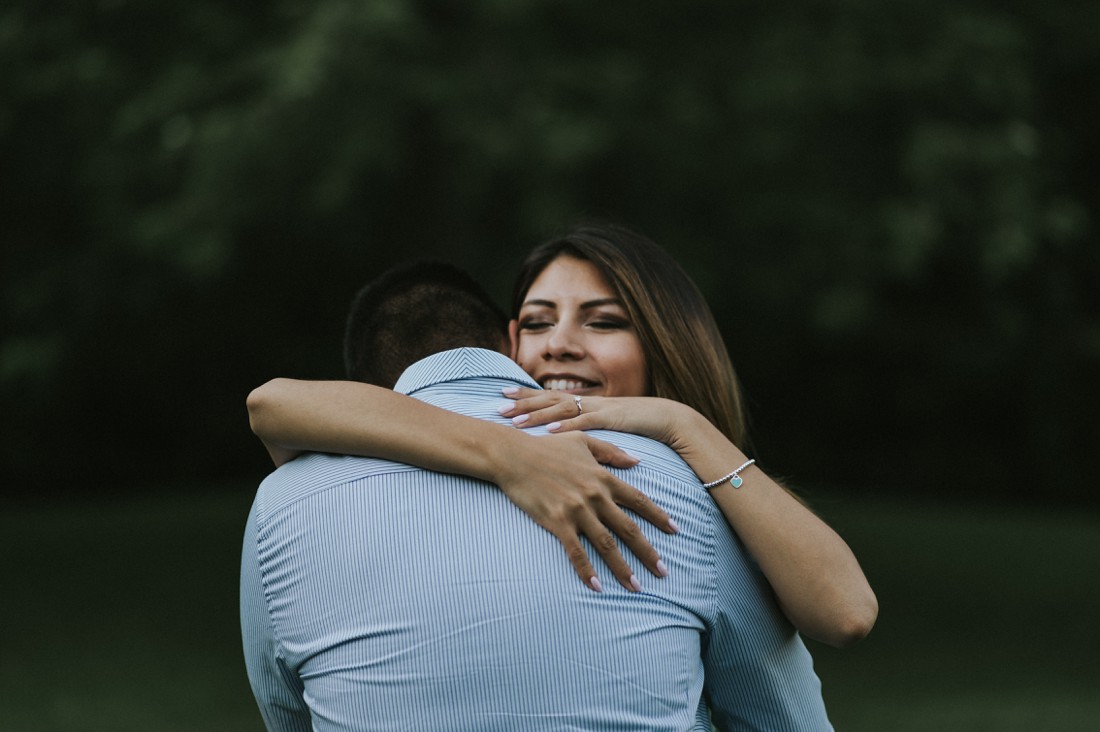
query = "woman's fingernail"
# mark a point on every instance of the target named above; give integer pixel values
(520, 419)
(553, 427)
(635, 584)
(510, 390)
(661, 568)
(674, 526)
(507, 407)
(595, 583)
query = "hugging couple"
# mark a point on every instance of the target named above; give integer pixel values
(402, 566)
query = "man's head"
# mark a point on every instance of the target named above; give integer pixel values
(412, 311)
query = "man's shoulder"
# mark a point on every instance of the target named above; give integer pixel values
(312, 473)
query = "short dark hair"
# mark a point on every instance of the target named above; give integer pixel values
(414, 310)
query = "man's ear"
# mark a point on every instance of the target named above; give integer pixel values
(513, 337)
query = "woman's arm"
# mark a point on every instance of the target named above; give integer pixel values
(815, 575)
(557, 480)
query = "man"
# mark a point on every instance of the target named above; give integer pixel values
(379, 596)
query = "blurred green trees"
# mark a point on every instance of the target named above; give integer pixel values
(892, 207)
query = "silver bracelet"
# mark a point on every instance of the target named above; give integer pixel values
(734, 478)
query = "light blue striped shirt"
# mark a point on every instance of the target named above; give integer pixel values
(378, 596)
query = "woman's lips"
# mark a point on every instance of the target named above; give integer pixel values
(557, 384)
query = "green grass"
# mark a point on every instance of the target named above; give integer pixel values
(123, 616)
(987, 620)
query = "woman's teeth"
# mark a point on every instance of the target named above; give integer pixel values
(563, 384)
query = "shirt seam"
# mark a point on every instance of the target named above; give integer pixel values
(396, 468)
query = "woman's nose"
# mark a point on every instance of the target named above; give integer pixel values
(564, 342)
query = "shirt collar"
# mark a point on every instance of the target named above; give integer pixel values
(461, 363)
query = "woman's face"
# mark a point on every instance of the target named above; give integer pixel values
(573, 334)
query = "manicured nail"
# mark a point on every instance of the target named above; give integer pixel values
(674, 526)
(507, 407)
(635, 584)
(520, 419)
(595, 583)
(553, 427)
(661, 568)
(510, 390)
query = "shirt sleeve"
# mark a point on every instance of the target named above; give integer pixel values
(759, 674)
(278, 690)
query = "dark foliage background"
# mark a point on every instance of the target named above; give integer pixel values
(892, 207)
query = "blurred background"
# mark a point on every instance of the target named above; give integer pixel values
(891, 206)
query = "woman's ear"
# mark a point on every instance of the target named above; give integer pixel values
(513, 337)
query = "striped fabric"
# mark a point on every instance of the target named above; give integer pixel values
(376, 596)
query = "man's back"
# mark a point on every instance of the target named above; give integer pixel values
(404, 599)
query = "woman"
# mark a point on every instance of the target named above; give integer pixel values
(620, 338)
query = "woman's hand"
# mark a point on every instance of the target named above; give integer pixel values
(658, 419)
(558, 481)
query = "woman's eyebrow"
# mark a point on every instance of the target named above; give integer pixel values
(601, 302)
(587, 305)
(539, 303)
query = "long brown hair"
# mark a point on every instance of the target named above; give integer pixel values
(686, 358)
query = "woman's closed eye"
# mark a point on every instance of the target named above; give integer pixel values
(608, 324)
(534, 324)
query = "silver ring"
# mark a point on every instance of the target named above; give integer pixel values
(577, 400)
